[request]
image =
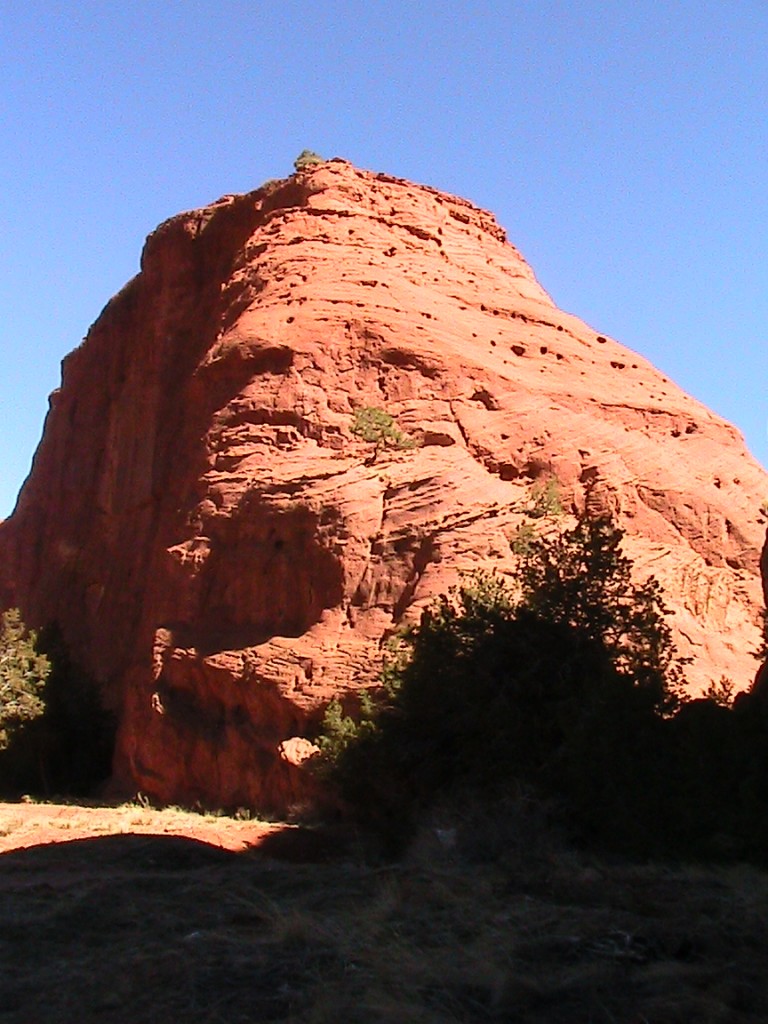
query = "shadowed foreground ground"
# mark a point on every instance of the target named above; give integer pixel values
(497, 921)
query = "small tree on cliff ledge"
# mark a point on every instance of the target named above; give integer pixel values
(379, 428)
(23, 673)
(307, 158)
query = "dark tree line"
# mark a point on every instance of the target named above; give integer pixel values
(567, 683)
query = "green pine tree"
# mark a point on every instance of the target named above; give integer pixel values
(307, 158)
(23, 673)
(582, 579)
(378, 428)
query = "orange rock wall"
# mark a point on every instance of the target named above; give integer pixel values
(219, 548)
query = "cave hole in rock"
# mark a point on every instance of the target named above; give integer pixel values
(485, 398)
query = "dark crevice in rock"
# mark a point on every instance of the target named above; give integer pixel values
(422, 556)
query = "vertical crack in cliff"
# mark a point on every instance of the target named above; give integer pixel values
(362, 591)
(462, 429)
(423, 555)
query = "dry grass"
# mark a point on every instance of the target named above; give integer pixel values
(30, 823)
(486, 919)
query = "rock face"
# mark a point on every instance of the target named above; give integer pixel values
(224, 554)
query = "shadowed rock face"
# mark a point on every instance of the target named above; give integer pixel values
(221, 551)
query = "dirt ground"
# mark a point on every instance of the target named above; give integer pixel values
(23, 825)
(128, 915)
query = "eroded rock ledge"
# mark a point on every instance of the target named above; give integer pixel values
(218, 547)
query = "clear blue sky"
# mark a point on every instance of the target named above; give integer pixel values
(624, 146)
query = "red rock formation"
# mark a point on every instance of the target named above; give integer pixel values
(221, 551)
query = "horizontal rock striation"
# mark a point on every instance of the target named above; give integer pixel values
(224, 554)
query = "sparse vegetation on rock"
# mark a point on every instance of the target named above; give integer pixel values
(271, 184)
(546, 502)
(379, 428)
(522, 539)
(307, 158)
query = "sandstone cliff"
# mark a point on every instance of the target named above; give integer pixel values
(220, 550)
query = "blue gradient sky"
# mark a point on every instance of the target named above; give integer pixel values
(624, 146)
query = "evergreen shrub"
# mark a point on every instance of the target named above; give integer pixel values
(56, 738)
(564, 679)
(378, 427)
(23, 672)
(307, 158)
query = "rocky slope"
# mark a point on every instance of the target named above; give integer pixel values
(220, 549)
